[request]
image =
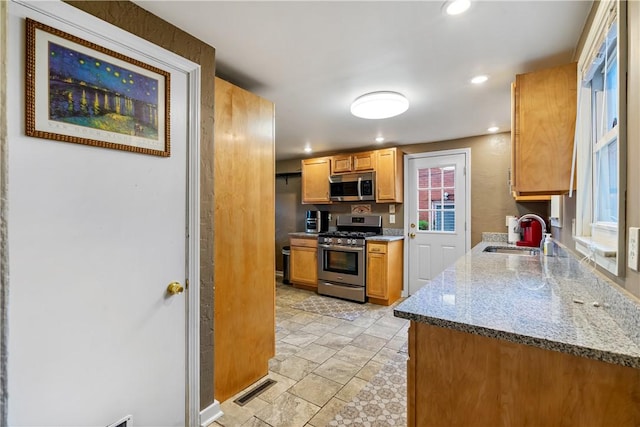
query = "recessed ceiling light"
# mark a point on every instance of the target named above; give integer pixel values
(456, 7)
(307, 149)
(493, 129)
(379, 105)
(380, 139)
(479, 79)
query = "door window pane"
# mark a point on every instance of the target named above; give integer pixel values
(436, 199)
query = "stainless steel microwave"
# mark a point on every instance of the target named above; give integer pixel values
(352, 187)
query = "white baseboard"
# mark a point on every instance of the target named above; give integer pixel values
(210, 414)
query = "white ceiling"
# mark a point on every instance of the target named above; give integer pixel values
(313, 58)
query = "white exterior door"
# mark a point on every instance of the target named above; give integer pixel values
(437, 213)
(95, 237)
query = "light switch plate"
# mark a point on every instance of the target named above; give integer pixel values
(392, 219)
(392, 208)
(634, 246)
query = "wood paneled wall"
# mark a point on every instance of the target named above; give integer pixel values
(244, 223)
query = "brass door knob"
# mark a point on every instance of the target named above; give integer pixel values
(412, 235)
(175, 288)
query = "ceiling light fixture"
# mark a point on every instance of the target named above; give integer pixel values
(379, 139)
(479, 79)
(307, 149)
(456, 7)
(493, 129)
(379, 105)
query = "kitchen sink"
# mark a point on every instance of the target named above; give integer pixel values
(512, 250)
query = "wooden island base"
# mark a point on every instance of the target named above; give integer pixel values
(460, 379)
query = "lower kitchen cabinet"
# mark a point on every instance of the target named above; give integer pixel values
(303, 263)
(384, 271)
(456, 378)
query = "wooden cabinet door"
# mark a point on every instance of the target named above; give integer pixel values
(340, 164)
(244, 303)
(543, 128)
(364, 161)
(388, 176)
(304, 266)
(377, 275)
(315, 180)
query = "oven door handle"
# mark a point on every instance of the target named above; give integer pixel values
(349, 248)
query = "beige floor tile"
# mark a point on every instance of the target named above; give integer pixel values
(337, 370)
(384, 355)
(333, 321)
(369, 342)
(369, 370)
(351, 389)
(397, 342)
(355, 355)
(317, 328)
(363, 322)
(305, 318)
(348, 330)
(300, 339)
(285, 350)
(392, 322)
(272, 393)
(288, 411)
(316, 353)
(315, 389)
(255, 422)
(327, 413)
(234, 415)
(334, 341)
(290, 325)
(293, 367)
(381, 331)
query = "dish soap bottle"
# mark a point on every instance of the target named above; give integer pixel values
(547, 245)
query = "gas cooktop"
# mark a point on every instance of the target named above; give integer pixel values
(349, 234)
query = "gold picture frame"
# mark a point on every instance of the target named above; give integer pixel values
(83, 93)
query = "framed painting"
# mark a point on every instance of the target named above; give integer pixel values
(80, 92)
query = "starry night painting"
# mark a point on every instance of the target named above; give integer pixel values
(90, 92)
(84, 93)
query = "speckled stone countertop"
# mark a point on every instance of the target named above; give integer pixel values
(384, 238)
(304, 235)
(556, 303)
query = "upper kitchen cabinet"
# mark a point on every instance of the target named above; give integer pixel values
(542, 131)
(358, 162)
(389, 176)
(315, 180)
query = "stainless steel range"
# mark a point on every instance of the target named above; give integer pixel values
(342, 256)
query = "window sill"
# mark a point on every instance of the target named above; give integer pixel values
(596, 247)
(603, 255)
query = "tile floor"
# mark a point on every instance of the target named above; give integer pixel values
(329, 371)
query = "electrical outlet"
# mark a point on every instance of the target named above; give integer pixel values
(392, 208)
(392, 219)
(634, 246)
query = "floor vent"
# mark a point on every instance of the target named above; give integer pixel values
(246, 398)
(123, 422)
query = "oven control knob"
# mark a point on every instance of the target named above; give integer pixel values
(339, 241)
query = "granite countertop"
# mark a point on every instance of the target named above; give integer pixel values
(304, 235)
(384, 238)
(557, 303)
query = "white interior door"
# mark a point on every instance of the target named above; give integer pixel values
(95, 237)
(437, 213)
